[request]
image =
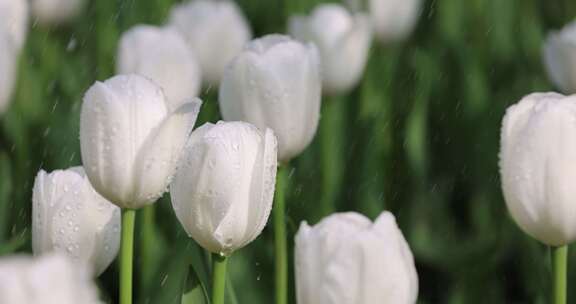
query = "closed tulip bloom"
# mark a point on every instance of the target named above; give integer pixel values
(560, 58)
(275, 83)
(538, 166)
(49, 279)
(13, 23)
(68, 215)
(394, 20)
(215, 30)
(223, 191)
(130, 141)
(56, 12)
(343, 41)
(162, 55)
(348, 259)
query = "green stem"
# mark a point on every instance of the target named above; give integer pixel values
(559, 270)
(126, 255)
(280, 243)
(218, 278)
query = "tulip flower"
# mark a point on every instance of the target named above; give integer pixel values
(68, 215)
(130, 145)
(538, 169)
(393, 20)
(49, 279)
(275, 83)
(222, 193)
(348, 259)
(13, 23)
(560, 58)
(56, 12)
(215, 30)
(343, 40)
(162, 55)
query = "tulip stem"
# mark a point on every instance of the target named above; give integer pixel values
(218, 278)
(281, 258)
(126, 255)
(559, 270)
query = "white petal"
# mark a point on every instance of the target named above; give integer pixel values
(157, 160)
(164, 56)
(538, 163)
(215, 30)
(116, 119)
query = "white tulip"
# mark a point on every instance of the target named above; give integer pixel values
(14, 22)
(560, 58)
(162, 55)
(49, 279)
(55, 12)
(393, 20)
(129, 140)
(348, 259)
(538, 166)
(8, 73)
(68, 215)
(222, 194)
(343, 41)
(216, 31)
(275, 83)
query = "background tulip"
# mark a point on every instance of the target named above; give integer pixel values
(222, 193)
(163, 55)
(560, 58)
(348, 259)
(49, 279)
(216, 31)
(275, 83)
(343, 41)
(538, 166)
(55, 12)
(129, 141)
(393, 20)
(14, 22)
(69, 215)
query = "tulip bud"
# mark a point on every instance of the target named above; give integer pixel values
(49, 279)
(343, 41)
(348, 259)
(393, 20)
(215, 30)
(68, 215)
(55, 12)
(560, 58)
(222, 193)
(13, 23)
(8, 62)
(275, 83)
(129, 141)
(162, 55)
(538, 166)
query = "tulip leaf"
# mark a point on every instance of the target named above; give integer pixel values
(170, 283)
(5, 189)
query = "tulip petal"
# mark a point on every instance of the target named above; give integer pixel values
(157, 160)
(117, 117)
(263, 185)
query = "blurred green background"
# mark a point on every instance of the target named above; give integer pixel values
(418, 137)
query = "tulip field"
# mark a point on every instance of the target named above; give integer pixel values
(287, 151)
